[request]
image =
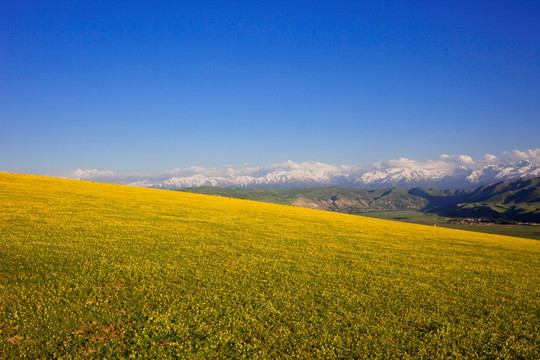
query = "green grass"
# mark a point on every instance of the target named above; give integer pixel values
(276, 196)
(525, 231)
(92, 270)
(528, 231)
(409, 216)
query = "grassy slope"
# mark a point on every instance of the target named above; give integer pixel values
(96, 270)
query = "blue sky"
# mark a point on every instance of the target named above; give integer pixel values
(149, 86)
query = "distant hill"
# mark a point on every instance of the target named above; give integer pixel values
(337, 198)
(516, 200)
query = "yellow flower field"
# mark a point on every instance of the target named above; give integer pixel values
(91, 270)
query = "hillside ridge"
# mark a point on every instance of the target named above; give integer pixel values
(516, 200)
(93, 270)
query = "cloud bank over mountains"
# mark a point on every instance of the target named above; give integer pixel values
(447, 171)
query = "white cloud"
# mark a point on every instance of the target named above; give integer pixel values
(457, 159)
(444, 163)
(489, 159)
(529, 155)
(90, 174)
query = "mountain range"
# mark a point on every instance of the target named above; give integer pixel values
(514, 200)
(290, 175)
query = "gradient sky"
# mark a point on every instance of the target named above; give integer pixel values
(149, 86)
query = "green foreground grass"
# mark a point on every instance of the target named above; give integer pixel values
(92, 270)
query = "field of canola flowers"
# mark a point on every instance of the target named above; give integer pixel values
(91, 270)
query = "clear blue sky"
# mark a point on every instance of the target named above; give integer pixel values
(148, 86)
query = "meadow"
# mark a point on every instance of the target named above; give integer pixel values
(91, 270)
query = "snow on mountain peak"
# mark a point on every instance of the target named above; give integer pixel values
(447, 171)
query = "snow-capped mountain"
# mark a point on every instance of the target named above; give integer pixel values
(453, 178)
(445, 172)
(399, 177)
(504, 172)
(282, 179)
